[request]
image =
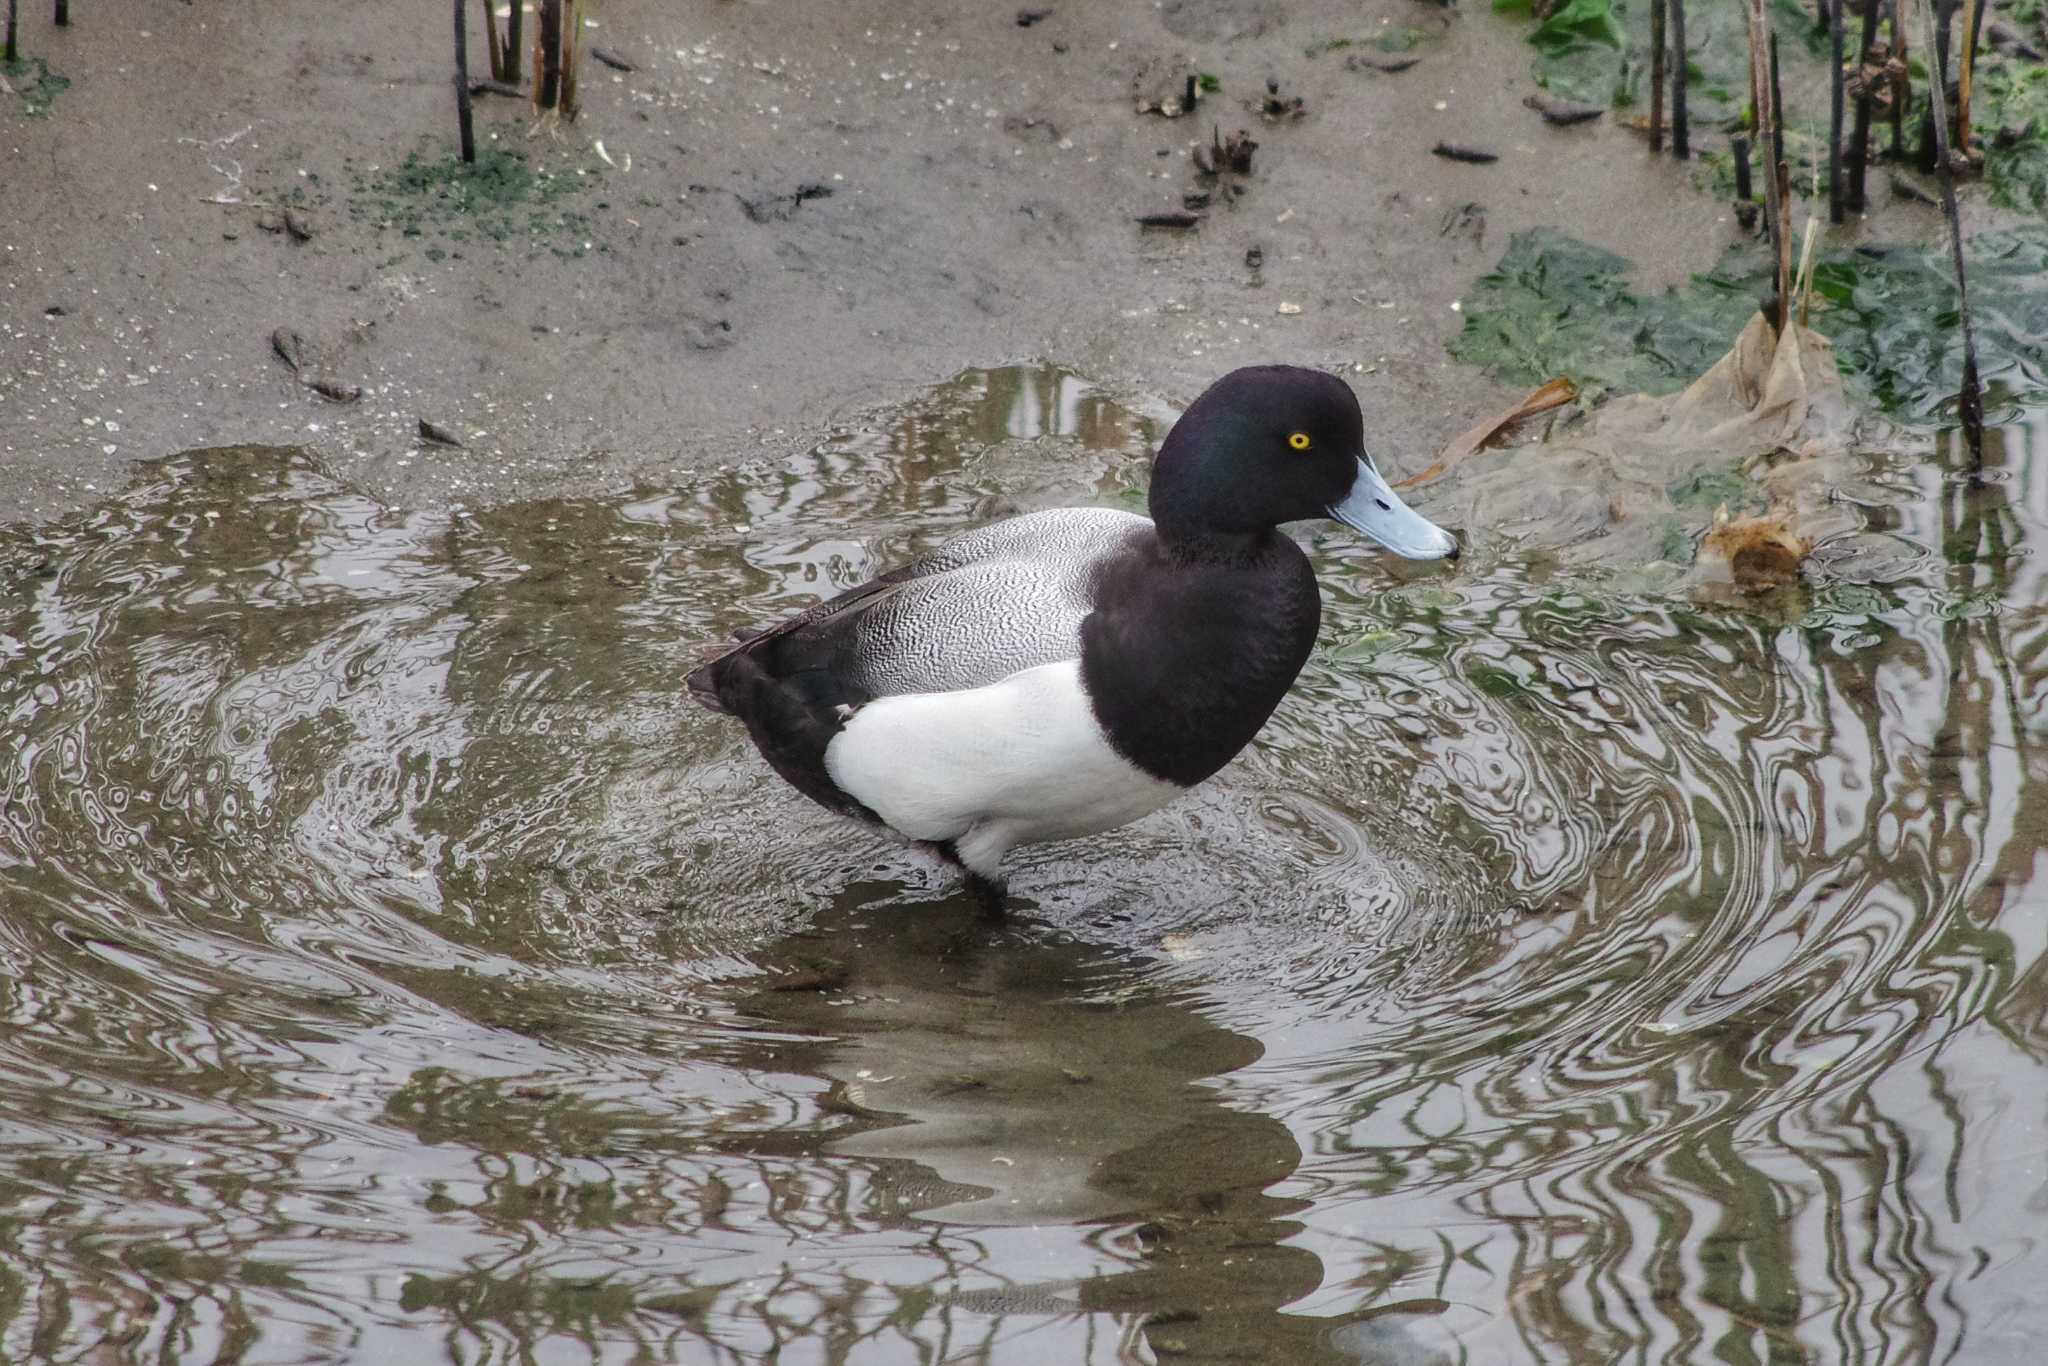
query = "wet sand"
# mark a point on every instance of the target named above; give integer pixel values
(693, 310)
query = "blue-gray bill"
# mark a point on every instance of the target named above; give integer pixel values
(1375, 509)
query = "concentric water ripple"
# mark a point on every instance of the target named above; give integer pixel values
(393, 963)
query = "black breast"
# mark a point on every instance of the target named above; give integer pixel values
(1187, 654)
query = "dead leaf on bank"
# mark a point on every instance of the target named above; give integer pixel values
(1759, 552)
(1554, 394)
(1769, 421)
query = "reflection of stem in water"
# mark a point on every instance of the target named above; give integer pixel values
(1970, 401)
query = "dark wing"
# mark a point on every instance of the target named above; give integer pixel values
(975, 610)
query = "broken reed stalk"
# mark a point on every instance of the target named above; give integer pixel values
(554, 57)
(1970, 401)
(1681, 134)
(1859, 138)
(11, 53)
(1902, 85)
(463, 122)
(1835, 109)
(572, 28)
(547, 54)
(505, 43)
(1937, 96)
(1762, 48)
(1973, 17)
(1782, 173)
(1656, 76)
(1777, 108)
(61, 14)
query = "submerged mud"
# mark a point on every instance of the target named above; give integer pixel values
(392, 961)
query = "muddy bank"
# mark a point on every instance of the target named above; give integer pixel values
(796, 214)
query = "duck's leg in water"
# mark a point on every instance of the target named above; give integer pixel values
(989, 894)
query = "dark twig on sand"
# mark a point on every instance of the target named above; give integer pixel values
(465, 126)
(61, 14)
(506, 88)
(612, 59)
(11, 52)
(1681, 128)
(1391, 66)
(1562, 113)
(1450, 151)
(1970, 402)
(1170, 218)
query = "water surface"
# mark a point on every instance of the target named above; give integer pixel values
(394, 965)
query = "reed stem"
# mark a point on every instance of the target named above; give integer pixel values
(463, 122)
(1681, 132)
(1970, 401)
(1657, 75)
(1835, 111)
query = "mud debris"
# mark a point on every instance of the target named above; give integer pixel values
(1278, 108)
(777, 208)
(436, 435)
(1563, 113)
(1451, 151)
(1232, 154)
(1389, 66)
(290, 222)
(334, 391)
(290, 347)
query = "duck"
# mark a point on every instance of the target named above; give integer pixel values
(1062, 673)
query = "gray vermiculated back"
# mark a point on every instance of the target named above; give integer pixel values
(1005, 597)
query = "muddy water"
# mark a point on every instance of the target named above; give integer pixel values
(393, 966)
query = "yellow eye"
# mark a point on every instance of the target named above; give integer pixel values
(1299, 441)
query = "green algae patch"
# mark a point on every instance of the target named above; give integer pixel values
(1598, 52)
(2009, 115)
(34, 84)
(501, 197)
(1558, 306)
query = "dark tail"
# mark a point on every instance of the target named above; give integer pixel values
(790, 730)
(703, 682)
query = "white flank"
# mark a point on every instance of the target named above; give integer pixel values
(989, 768)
